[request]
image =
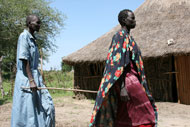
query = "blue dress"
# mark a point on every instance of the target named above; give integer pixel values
(30, 109)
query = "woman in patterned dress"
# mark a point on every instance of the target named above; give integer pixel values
(123, 99)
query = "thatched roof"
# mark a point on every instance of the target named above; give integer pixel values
(157, 22)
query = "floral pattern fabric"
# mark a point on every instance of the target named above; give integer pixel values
(122, 51)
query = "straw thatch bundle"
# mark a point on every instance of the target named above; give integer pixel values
(157, 22)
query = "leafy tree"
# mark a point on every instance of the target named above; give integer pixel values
(65, 67)
(12, 22)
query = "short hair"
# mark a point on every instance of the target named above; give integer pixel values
(29, 18)
(123, 15)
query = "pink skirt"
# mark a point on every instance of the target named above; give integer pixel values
(138, 111)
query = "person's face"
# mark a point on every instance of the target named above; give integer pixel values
(35, 24)
(130, 20)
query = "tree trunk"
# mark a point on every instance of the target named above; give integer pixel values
(13, 79)
(1, 79)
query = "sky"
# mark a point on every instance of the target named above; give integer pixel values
(86, 21)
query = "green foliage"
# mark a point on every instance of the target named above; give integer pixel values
(8, 92)
(59, 79)
(65, 67)
(13, 14)
(6, 99)
(56, 79)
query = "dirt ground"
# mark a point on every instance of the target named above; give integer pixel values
(76, 113)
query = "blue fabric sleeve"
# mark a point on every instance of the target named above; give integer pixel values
(23, 48)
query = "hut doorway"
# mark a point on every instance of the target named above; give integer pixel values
(182, 66)
(174, 82)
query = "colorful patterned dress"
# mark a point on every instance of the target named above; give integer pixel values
(30, 109)
(123, 54)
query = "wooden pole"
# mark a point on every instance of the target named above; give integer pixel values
(41, 63)
(1, 77)
(65, 89)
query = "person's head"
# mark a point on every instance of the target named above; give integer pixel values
(33, 23)
(126, 18)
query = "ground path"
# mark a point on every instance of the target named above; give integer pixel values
(76, 113)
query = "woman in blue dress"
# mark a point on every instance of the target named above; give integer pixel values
(31, 107)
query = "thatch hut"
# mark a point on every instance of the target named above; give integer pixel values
(162, 34)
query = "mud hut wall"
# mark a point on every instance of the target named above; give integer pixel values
(159, 73)
(88, 76)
